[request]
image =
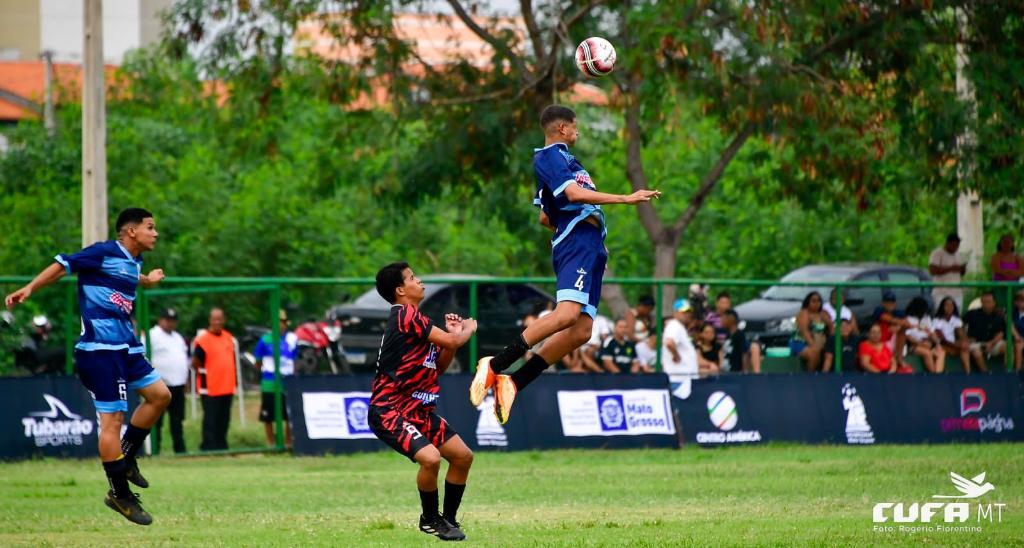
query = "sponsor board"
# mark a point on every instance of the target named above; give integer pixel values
(337, 415)
(963, 513)
(724, 416)
(615, 412)
(489, 432)
(971, 419)
(858, 430)
(57, 426)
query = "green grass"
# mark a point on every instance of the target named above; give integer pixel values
(771, 495)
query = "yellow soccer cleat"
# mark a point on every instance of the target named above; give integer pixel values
(504, 394)
(482, 381)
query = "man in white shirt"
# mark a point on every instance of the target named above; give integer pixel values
(170, 359)
(678, 355)
(945, 265)
(846, 314)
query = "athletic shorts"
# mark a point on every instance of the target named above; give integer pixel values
(579, 262)
(407, 433)
(109, 374)
(267, 407)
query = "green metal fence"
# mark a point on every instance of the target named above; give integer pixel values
(274, 286)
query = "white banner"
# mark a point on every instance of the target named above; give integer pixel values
(337, 415)
(615, 412)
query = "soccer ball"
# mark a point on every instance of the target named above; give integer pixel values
(595, 57)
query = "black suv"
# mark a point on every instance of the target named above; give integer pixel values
(500, 310)
(771, 318)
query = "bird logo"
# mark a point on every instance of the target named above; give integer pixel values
(971, 488)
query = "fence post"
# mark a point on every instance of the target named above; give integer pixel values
(1008, 347)
(658, 322)
(143, 318)
(472, 314)
(838, 349)
(70, 293)
(275, 341)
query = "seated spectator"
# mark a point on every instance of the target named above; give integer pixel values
(1006, 266)
(709, 352)
(723, 302)
(1018, 330)
(849, 343)
(641, 318)
(618, 353)
(893, 324)
(647, 351)
(678, 356)
(921, 339)
(589, 353)
(737, 354)
(874, 355)
(985, 331)
(950, 329)
(844, 314)
(811, 325)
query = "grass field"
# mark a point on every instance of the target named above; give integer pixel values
(770, 495)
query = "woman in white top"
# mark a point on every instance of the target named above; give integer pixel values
(921, 340)
(950, 329)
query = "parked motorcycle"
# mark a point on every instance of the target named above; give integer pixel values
(320, 348)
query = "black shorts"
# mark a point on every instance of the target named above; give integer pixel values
(267, 407)
(409, 432)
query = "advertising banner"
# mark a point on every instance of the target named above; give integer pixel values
(46, 416)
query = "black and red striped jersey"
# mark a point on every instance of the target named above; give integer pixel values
(407, 363)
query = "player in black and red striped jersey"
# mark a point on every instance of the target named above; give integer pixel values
(412, 354)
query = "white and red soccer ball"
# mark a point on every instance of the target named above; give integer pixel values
(595, 57)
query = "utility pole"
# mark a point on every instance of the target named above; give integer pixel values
(969, 221)
(94, 128)
(48, 118)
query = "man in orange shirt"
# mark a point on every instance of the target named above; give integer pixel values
(214, 361)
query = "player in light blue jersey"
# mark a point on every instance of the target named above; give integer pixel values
(109, 356)
(570, 206)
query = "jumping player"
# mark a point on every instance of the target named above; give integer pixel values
(110, 358)
(413, 352)
(570, 206)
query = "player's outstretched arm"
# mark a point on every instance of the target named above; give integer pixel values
(48, 276)
(578, 194)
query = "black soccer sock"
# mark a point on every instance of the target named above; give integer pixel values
(429, 501)
(132, 441)
(116, 476)
(452, 499)
(529, 371)
(508, 355)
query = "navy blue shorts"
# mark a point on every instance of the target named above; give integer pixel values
(579, 262)
(109, 374)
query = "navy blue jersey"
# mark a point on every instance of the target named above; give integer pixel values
(556, 169)
(107, 278)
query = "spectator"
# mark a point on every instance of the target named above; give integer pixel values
(921, 339)
(1018, 330)
(678, 356)
(264, 352)
(737, 354)
(169, 353)
(647, 351)
(811, 325)
(589, 353)
(893, 324)
(950, 329)
(641, 317)
(723, 302)
(618, 353)
(214, 359)
(709, 352)
(946, 266)
(844, 314)
(1006, 265)
(848, 347)
(985, 331)
(876, 356)
(38, 352)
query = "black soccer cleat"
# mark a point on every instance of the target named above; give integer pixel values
(129, 507)
(134, 475)
(440, 528)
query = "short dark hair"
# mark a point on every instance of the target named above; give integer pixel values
(988, 292)
(723, 294)
(556, 113)
(131, 216)
(645, 300)
(390, 278)
(953, 237)
(732, 313)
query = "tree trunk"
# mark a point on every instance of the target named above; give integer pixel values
(664, 268)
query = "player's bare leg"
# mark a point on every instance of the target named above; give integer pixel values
(119, 498)
(460, 459)
(156, 398)
(431, 521)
